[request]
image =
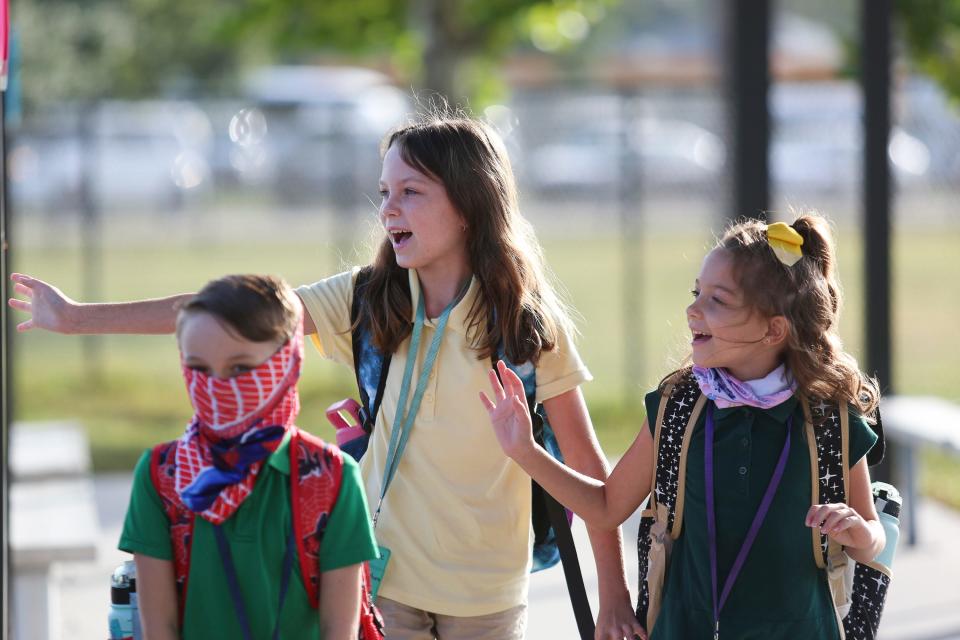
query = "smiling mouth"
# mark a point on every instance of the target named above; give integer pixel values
(700, 338)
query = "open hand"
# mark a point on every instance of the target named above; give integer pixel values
(509, 413)
(48, 307)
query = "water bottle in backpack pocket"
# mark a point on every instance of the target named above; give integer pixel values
(124, 616)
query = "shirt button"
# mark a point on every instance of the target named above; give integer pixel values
(428, 397)
(743, 471)
(745, 442)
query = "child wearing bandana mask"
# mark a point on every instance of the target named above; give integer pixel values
(241, 345)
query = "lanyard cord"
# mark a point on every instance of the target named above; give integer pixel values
(403, 417)
(754, 526)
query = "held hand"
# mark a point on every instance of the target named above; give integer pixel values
(48, 307)
(841, 523)
(509, 413)
(619, 623)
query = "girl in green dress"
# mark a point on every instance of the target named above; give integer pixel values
(763, 325)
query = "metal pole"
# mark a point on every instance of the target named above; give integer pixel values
(631, 266)
(747, 35)
(875, 29)
(90, 230)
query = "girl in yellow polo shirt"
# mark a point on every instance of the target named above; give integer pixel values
(456, 518)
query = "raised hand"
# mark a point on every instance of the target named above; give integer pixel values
(48, 307)
(509, 413)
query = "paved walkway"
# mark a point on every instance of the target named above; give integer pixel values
(924, 601)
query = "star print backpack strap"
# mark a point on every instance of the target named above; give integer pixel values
(660, 523)
(859, 589)
(163, 475)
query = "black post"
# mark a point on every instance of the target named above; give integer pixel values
(90, 230)
(631, 265)
(747, 35)
(875, 30)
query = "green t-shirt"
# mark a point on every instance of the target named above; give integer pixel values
(780, 593)
(257, 533)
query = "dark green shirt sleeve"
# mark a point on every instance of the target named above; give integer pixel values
(348, 538)
(862, 437)
(652, 402)
(146, 529)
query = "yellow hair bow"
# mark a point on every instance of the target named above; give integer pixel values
(785, 242)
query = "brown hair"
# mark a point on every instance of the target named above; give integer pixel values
(517, 306)
(808, 295)
(259, 308)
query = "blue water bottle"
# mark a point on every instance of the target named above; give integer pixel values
(888, 502)
(124, 617)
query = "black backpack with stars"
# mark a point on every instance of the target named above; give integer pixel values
(858, 589)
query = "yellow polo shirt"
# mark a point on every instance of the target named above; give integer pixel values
(457, 515)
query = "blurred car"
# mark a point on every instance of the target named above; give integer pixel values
(314, 132)
(666, 154)
(817, 141)
(139, 155)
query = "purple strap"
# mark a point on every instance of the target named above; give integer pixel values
(754, 526)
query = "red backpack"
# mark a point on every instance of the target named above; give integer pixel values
(316, 469)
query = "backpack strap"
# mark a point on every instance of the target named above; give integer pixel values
(162, 474)
(681, 404)
(316, 471)
(316, 475)
(369, 363)
(827, 428)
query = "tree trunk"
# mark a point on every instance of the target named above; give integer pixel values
(443, 52)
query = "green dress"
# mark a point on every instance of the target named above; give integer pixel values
(780, 593)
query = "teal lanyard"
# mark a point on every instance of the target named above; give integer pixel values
(402, 422)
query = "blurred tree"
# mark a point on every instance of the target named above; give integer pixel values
(82, 50)
(931, 29)
(440, 46)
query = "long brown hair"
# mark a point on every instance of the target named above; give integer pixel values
(808, 295)
(517, 307)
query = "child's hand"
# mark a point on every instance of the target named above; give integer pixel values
(45, 303)
(841, 523)
(509, 415)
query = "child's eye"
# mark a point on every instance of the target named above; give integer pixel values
(239, 369)
(384, 193)
(718, 300)
(199, 368)
(409, 191)
(695, 293)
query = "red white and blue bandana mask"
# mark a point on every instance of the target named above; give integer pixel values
(238, 423)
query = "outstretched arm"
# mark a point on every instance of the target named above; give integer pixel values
(603, 505)
(581, 486)
(50, 309)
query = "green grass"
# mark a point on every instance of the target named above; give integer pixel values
(131, 395)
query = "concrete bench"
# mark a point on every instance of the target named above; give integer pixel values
(913, 423)
(53, 519)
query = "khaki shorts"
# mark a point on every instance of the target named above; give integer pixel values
(407, 623)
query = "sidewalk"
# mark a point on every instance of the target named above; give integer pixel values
(924, 600)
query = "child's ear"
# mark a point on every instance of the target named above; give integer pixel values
(778, 330)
